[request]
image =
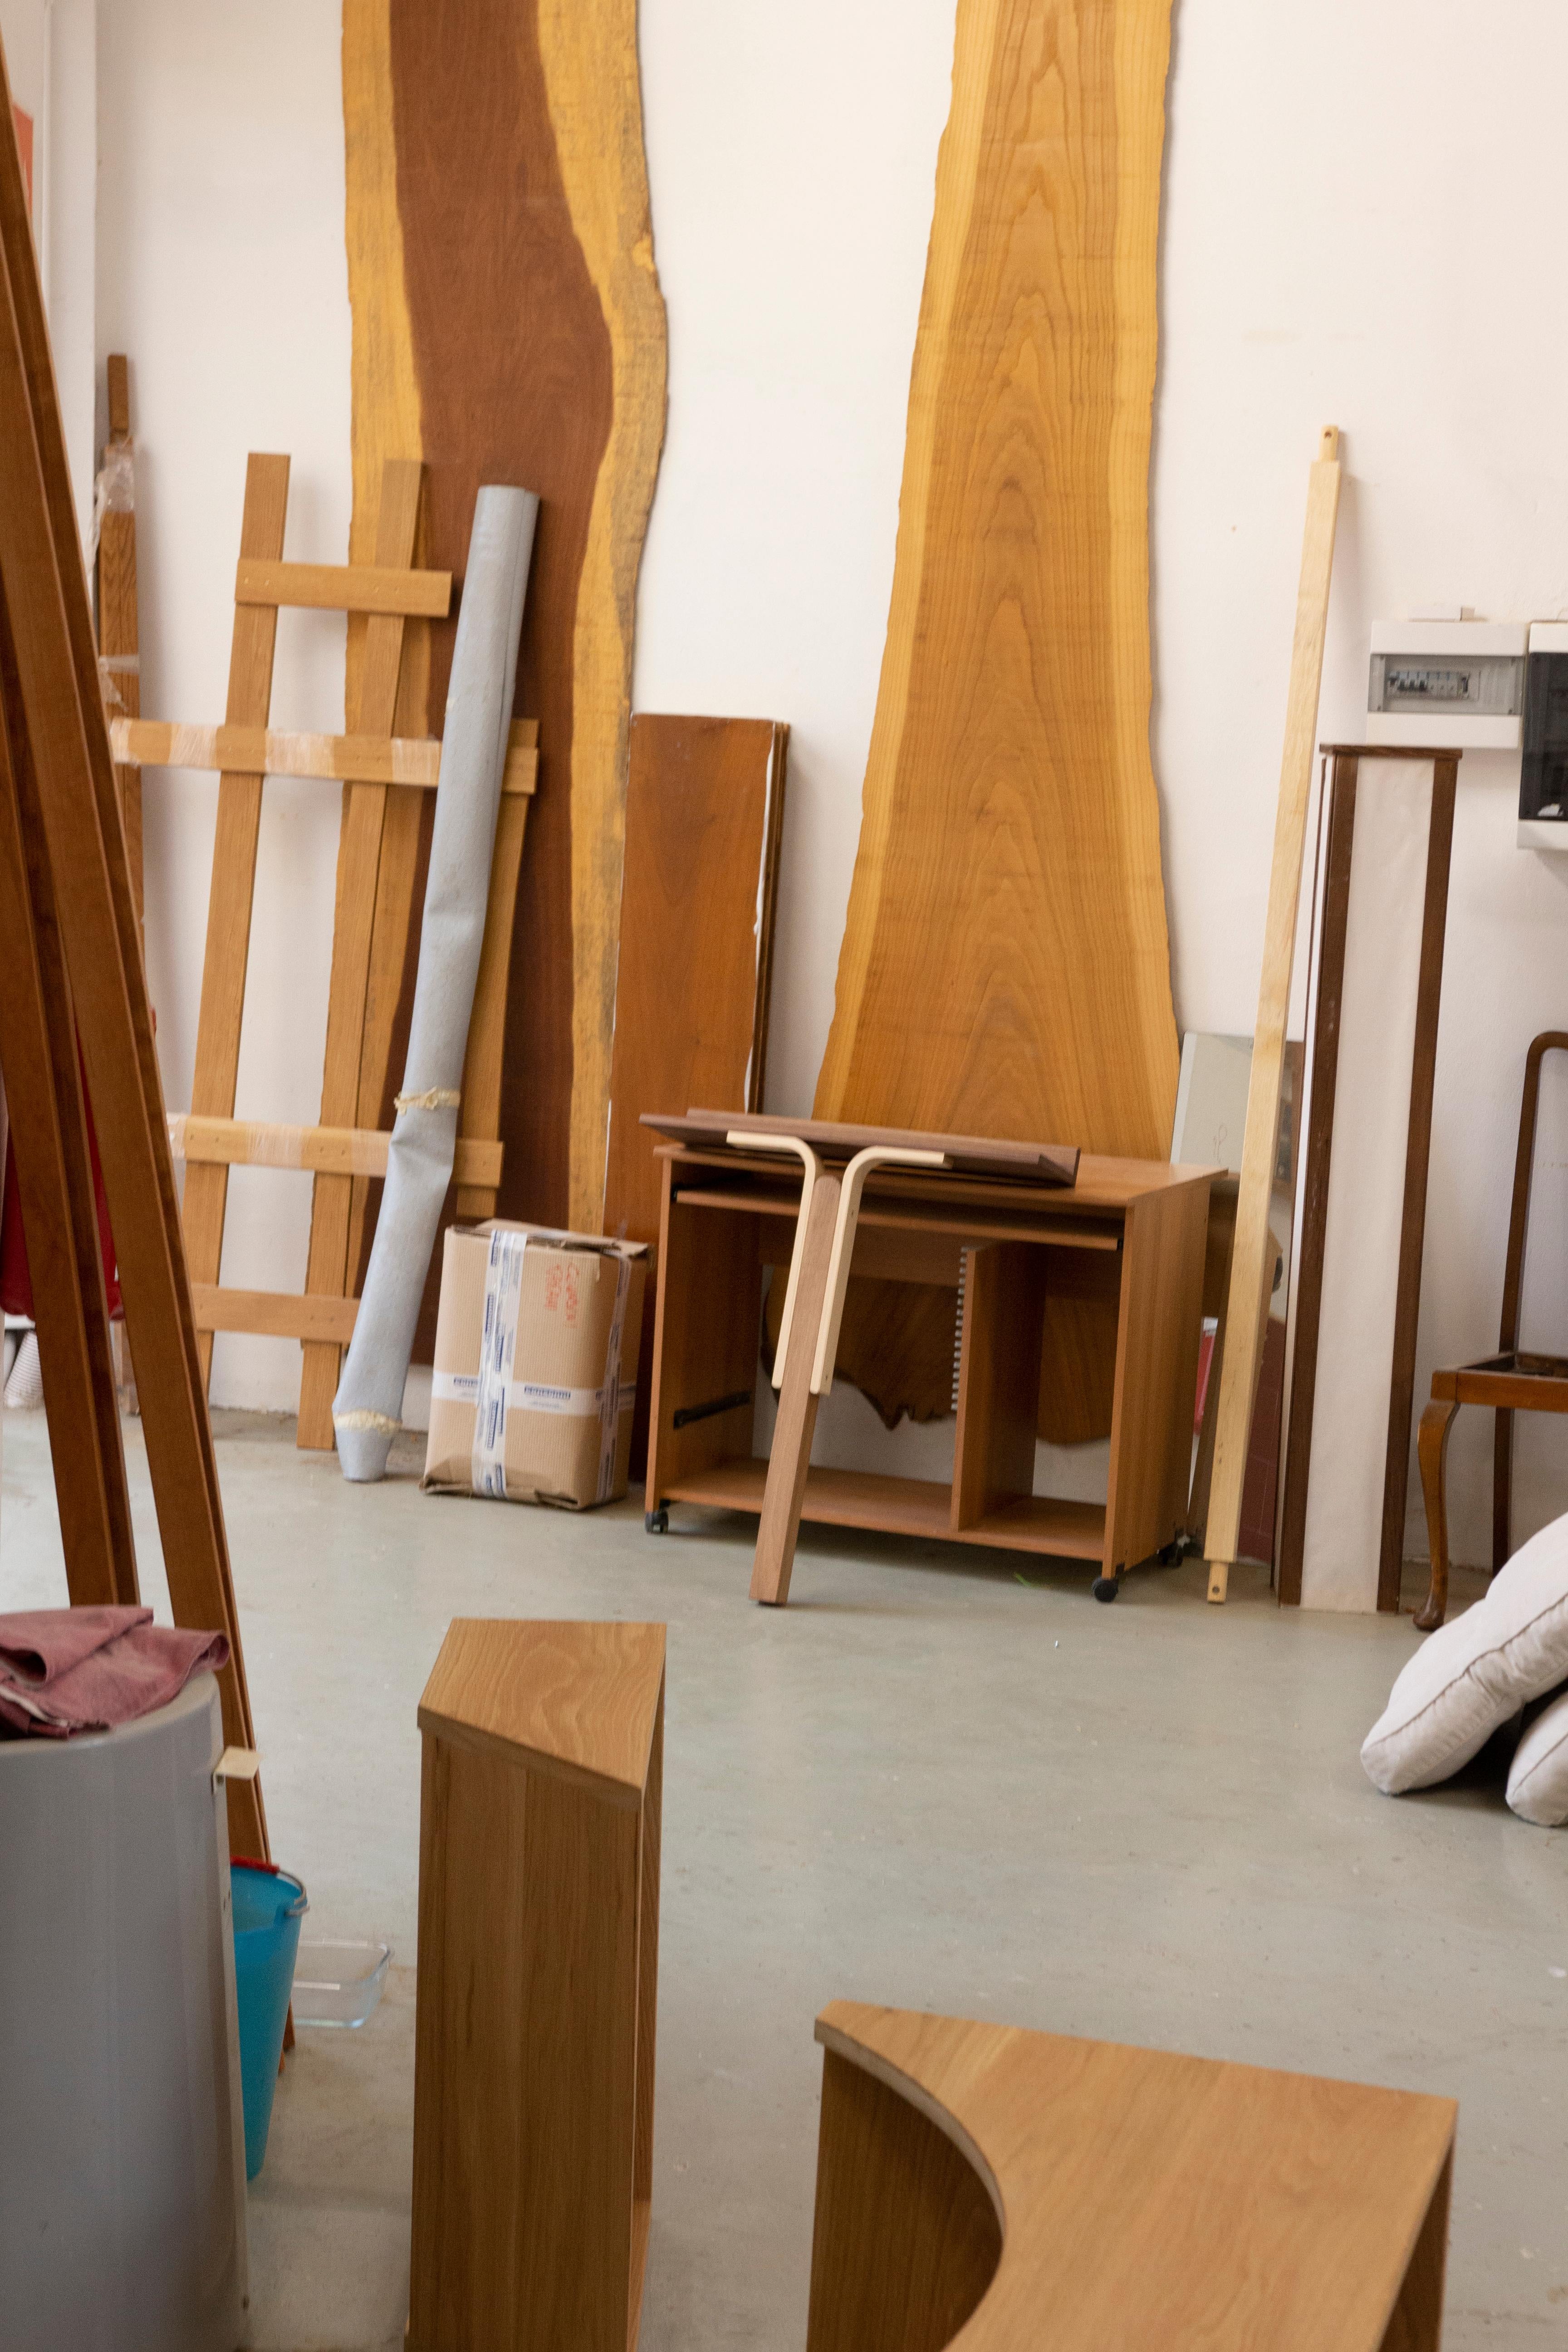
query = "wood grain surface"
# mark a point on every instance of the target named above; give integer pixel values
(580, 1697)
(1005, 966)
(508, 327)
(696, 953)
(1147, 2199)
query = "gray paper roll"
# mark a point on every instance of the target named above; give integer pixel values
(367, 1407)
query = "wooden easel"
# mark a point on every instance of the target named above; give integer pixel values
(70, 972)
(370, 935)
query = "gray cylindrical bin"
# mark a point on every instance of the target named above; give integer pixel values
(121, 2156)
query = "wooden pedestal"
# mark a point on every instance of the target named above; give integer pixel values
(543, 1749)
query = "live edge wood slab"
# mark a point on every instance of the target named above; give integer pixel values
(1005, 965)
(539, 1850)
(1128, 1234)
(508, 326)
(984, 2186)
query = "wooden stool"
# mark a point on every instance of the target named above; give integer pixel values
(1511, 1381)
(543, 1752)
(1022, 2188)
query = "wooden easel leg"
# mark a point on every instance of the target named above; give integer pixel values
(791, 1456)
(1432, 1445)
(54, 1171)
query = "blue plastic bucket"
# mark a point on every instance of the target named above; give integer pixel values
(268, 1908)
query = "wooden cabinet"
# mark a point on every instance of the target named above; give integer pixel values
(543, 1749)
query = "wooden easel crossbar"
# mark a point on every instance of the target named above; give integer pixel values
(70, 972)
(383, 777)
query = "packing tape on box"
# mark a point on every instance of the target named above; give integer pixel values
(494, 1392)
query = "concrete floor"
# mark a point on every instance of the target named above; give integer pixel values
(937, 1781)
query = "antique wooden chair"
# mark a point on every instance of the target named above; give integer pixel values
(1511, 1381)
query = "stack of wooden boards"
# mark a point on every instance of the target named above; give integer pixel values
(70, 981)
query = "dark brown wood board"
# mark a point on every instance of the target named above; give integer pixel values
(839, 1139)
(704, 807)
(508, 327)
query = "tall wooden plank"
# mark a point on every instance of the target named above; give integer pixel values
(44, 589)
(1006, 968)
(697, 907)
(54, 1176)
(359, 860)
(1252, 1256)
(233, 891)
(508, 327)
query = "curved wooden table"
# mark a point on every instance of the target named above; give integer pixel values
(984, 2186)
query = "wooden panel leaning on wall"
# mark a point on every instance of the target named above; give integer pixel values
(1006, 969)
(69, 935)
(704, 815)
(507, 325)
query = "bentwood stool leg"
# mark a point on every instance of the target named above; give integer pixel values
(1432, 1444)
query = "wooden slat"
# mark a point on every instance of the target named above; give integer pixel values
(697, 909)
(233, 889)
(328, 1150)
(1252, 1255)
(45, 594)
(345, 588)
(332, 759)
(274, 1314)
(358, 858)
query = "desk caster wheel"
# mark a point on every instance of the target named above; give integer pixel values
(656, 1523)
(1105, 1588)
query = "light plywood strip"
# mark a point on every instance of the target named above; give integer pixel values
(275, 1314)
(331, 759)
(1252, 1253)
(330, 1150)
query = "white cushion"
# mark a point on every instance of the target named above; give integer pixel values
(1471, 1676)
(1537, 1782)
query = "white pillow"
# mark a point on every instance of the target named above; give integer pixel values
(1471, 1676)
(1537, 1782)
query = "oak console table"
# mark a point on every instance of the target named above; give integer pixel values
(539, 1843)
(984, 2186)
(1004, 1226)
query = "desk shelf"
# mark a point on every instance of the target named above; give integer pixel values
(906, 1506)
(1130, 1237)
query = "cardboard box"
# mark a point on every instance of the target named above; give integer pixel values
(536, 1362)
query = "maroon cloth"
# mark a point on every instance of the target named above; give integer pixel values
(16, 1276)
(65, 1670)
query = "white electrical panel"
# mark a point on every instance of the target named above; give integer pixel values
(1448, 683)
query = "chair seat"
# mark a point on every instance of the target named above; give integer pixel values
(1516, 1381)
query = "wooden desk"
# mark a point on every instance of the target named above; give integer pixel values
(539, 1842)
(983, 2186)
(1130, 1232)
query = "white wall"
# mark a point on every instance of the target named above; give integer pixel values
(1357, 230)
